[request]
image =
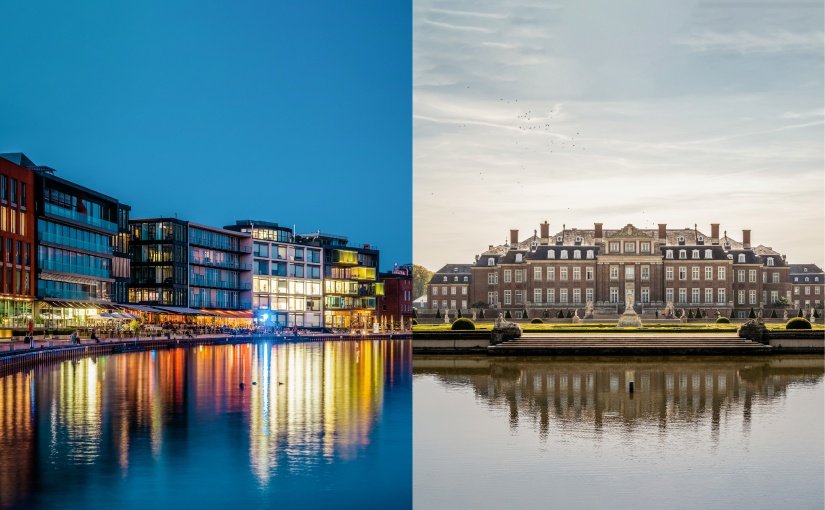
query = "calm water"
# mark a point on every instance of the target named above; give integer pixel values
(328, 425)
(566, 433)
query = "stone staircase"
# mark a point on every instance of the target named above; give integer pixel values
(672, 344)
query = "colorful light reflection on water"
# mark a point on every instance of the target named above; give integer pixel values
(316, 424)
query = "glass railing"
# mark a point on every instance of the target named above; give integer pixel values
(82, 218)
(344, 257)
(66, 294)
(48, 237)
(218, 245)
(194, 280)
(73, 268)
(206, 261)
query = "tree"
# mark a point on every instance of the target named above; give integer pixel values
(507, 315)
(479, 304)
(782, 302)
(421, 277)
(752, 314)
(560, 315)
(437, 313)
(732, 314)
(773, 314)
(801, 313)
(524, 314)
(481, 313)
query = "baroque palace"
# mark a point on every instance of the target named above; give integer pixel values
(544, 274)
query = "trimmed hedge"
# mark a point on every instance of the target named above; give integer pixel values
(463, 324)
(798, 323)
(722, 320)
(536, 321)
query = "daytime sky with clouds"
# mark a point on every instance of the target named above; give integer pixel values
(617, 112)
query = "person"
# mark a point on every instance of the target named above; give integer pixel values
(94, 337)
(295, 330)
(657, 313)
(74, 338)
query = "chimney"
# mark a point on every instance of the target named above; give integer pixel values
(513, 237)
(598, 233)
(662, 231)
(545, 233)
(746, 239)
(714, 233)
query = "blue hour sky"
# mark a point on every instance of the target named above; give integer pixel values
(680, 112)
(292, 112)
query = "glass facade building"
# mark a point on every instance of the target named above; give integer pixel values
(287, 276)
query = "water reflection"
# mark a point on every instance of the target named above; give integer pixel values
(583, 390)
(178, 425)
(695, 433)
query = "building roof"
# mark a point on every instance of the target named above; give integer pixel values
(717, 252)
(451, 271)
(805, 269)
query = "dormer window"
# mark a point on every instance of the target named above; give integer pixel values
(695, 254)
(564, 254)
(816, 278)
(559, 240)
(491, 261)
(590, 254)
(807, 279)
(519, 257)
(578, 241)
(681, 240)
(465, 279)
(669, 254)
(683, 254)
(730, 256)
(577, 254)
(708, 254)
(551, 254)
(770, 261)
(727, 246)
(741, 258)
(455, 278)
(796, 278)
(445, 278)
(700, 240)
(533, 246)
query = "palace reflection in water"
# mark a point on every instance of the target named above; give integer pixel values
(711, 432)
(174, 427)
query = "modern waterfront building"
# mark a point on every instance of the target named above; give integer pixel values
(17, 240)
(287, 276)
(79, 234)
(681, 267)
(190, 269)
(351, 286)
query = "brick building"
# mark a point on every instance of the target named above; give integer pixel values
(546, 273)
(807, 286)
(396, 303)
(449, 287)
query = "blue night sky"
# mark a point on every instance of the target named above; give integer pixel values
(289, 112)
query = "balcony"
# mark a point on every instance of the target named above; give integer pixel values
(85, 219)
(200, 281)
(51, 265)
(47, 237)
(206, 261)
(344, 257)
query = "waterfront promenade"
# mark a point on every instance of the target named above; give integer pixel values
(16, 354)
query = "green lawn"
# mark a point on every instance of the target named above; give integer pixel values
(605, 327)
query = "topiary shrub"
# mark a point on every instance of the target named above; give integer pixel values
(752, 314)
(773, 314)
(798, 323)
(481, 313)
(536, 321)
(437, 313)
(458, 313)
(722, 320)
(690, 314)
(560, 315)
(801, 313)
(732, 314)
(507, 315)
(463, 324)
(816, 314)
(414, 322)
(569, 314)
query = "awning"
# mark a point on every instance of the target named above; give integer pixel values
(180, 310)
(76, 304)
(141, 308)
